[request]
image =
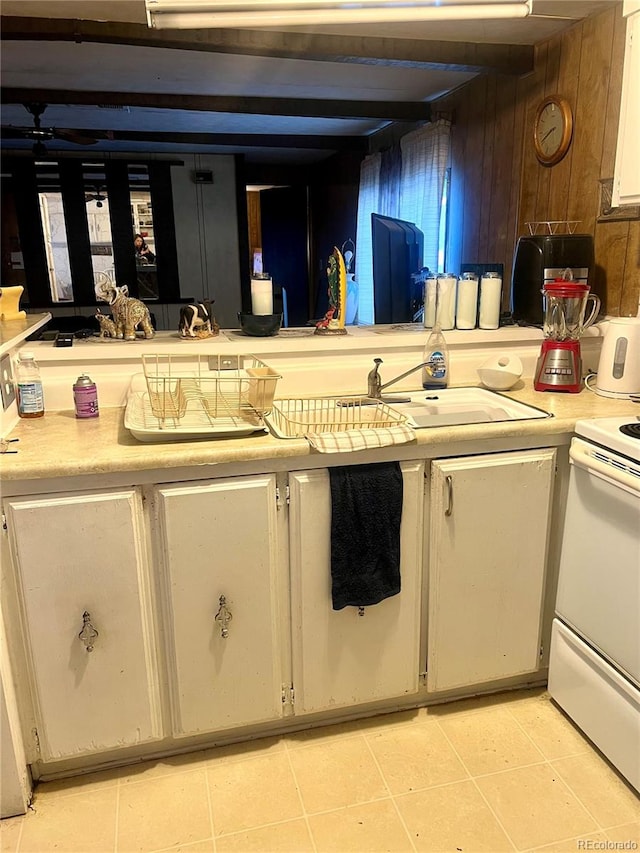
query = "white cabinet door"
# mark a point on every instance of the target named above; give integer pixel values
(626, 182)
(487, 554)
(75, 554)
(219, 538)
(339, 657)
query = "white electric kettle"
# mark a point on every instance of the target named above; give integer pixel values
(619, 365)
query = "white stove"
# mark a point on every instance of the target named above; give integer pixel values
(594, 668)
(621, 434)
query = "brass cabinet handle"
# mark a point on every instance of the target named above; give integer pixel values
(449, 481)
(88, 634)
(223, 616)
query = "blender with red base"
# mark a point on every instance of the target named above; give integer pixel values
(559, 366)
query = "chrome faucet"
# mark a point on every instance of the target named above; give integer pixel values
(376, 386)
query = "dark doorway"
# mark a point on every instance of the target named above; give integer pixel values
(284, 217)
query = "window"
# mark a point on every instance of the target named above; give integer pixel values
(143, 231)
(423, 200)
(96, 200)
(77, 224)
(56, 248)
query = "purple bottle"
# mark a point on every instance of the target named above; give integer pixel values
(85, 397)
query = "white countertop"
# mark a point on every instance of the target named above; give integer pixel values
(60, 445)
(13, 332)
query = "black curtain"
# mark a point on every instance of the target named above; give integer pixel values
(284, 212)
(164, 230)
(32, 243)
(78, 242)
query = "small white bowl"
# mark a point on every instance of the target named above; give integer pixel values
(500, 372)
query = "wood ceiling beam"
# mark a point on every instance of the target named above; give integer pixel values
(248, 140)
(301, 107)
(404, 53)
(234, 140)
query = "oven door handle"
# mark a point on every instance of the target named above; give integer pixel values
(604, 465)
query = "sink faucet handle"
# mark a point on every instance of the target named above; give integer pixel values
(374, 382)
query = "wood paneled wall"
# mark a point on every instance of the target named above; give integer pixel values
(497, 183)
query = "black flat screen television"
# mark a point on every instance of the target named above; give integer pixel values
(397, 254)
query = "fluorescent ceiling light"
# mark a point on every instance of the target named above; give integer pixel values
(205, 14)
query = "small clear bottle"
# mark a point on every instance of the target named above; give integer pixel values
(29, 387)
(435, 373)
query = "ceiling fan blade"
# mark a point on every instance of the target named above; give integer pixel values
(15, 132)
(75, 136)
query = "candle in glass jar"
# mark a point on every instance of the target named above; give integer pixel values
(446, 301)
(430, 287)
(467, 304)
(490, 298)
(261, 294)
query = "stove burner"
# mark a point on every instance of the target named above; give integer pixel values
(632, 430)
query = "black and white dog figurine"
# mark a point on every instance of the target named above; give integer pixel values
(196, 317)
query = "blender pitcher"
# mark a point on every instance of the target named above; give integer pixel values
(559, 367)
(565, 304)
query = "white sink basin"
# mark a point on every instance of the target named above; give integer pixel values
(296, 416)
(457, 406)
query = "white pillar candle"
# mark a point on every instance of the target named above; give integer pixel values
(490, 299)
(446, 305)
(430, 286)
(261, 296)
(467, 304)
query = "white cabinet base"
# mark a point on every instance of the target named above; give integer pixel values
(94, 564)
(219, 552)
(339, 657)
(488, 538)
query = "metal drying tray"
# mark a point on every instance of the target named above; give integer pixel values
(185, 397)
(195, 422)
(295, 417)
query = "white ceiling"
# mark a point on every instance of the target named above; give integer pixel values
(66, 65)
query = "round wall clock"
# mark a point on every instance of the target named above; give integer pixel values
(552, 130)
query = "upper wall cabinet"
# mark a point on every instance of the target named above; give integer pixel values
(626, 183)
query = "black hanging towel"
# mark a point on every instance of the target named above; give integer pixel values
(366, 511)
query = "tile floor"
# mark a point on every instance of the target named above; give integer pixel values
(495, 774)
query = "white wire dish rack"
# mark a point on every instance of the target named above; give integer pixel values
(178, 398)
(296, 417)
